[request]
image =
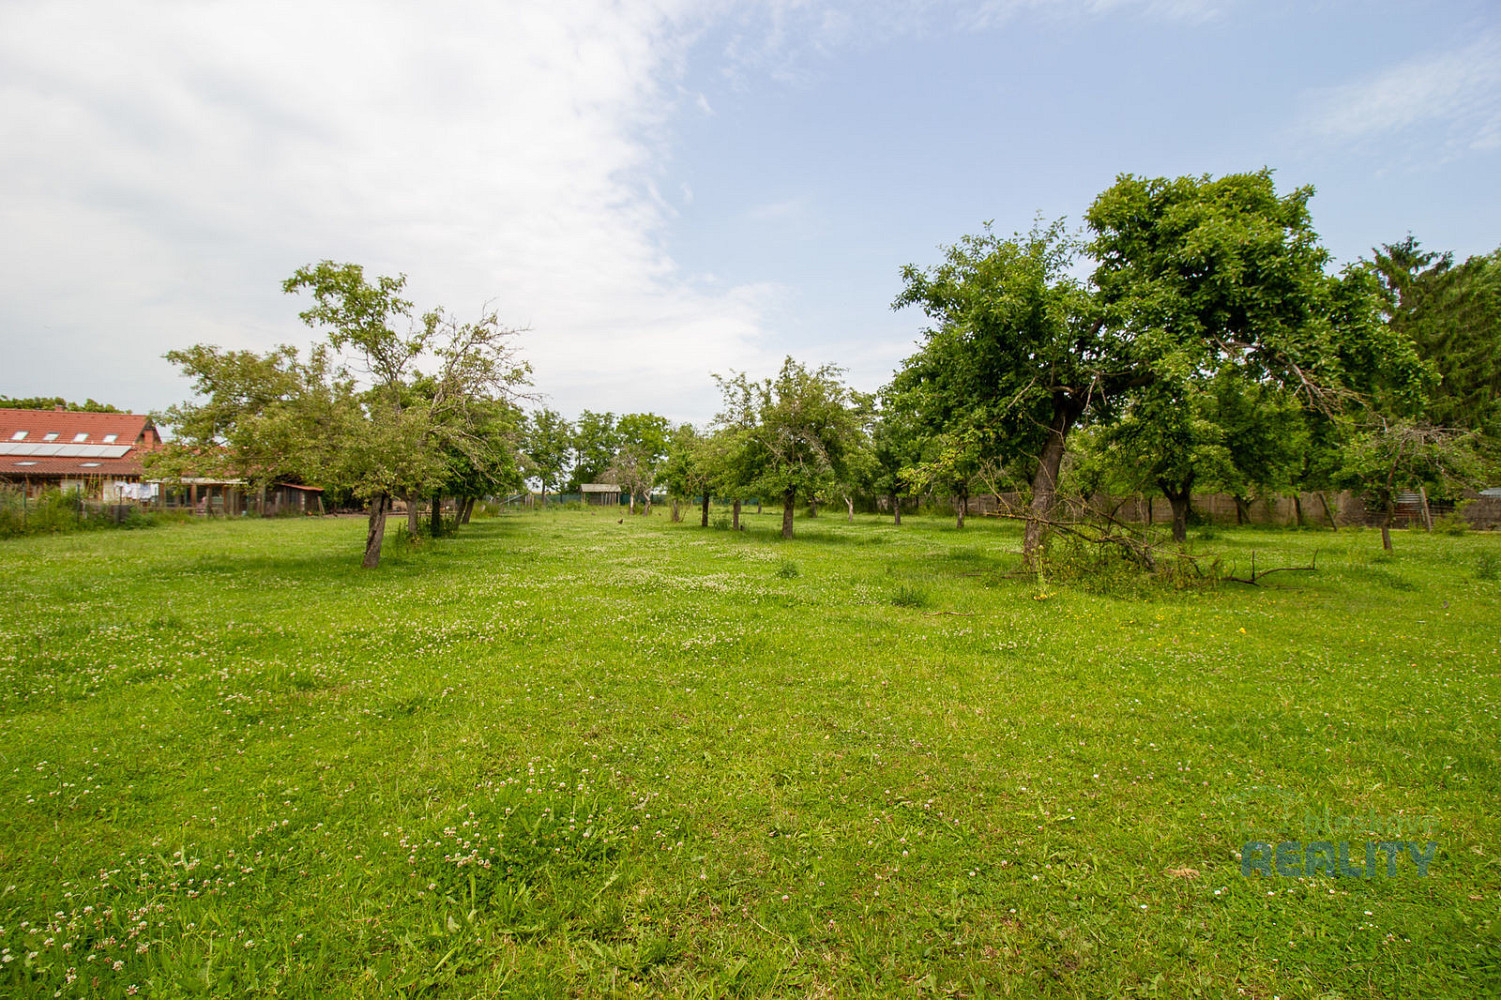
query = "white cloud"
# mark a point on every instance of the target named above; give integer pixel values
(1457, 94)
(165, 166)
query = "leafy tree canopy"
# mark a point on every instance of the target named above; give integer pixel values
(53, 402)
(547, 447)
(1194, 277)
(797, 432)
(1452, 314)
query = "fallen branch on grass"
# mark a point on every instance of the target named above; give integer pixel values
(1138, 551)
(1312, 567)
(1114, 532)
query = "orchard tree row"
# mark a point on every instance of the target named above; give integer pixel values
(1194, 336)
(390, 404)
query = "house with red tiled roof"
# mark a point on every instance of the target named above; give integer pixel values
(97, 453)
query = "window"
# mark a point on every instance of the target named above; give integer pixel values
(50, 437)
(110, 438)
(18, 436)
(25, 463)
(80, 436)
(89, 465)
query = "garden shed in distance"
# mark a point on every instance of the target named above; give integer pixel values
(601, 494)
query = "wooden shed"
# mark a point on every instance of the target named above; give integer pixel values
(601, 494)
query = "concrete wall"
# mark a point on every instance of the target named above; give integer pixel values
(1344, 507)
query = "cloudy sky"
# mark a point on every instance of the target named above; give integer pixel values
(661, 189)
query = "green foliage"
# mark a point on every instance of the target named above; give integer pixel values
(791, 436)
(1452, 313)
(595, 442)
(1488, 566)
(1014, 336)
(1453, 523)
(1385, 457)
(480, 453)
(56, 512)
(895, 447)
(1198, 282)
(256, 418)
(787, 570)
(642, 451)
(1222, 285)
(53, 402)
(686, 473)
(1109, 570)
(909, 595)
(376, 412)
(1200, 271)
(1169, 439)
(547, 446)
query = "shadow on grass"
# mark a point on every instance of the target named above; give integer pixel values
(399, 557)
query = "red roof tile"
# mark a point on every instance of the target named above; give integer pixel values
(78, 444)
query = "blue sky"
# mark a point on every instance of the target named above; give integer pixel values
(658, 190)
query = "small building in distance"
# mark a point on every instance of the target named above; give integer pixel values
(294, 498)
(601, 494)
(98, 454)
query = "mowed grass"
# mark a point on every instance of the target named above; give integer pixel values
(559, 755)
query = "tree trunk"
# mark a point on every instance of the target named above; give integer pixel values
(758, 506)
(435, 523)
(1242, 510)
(376, 531)
(813, 506)
(1427, 511)
(1389, 498)
(1179, 500)
(703, 520)
(1045, 482)
(676, 517)
(789, 503)
(850, 503)
(414, 515)
(735, 515)
(896, 507)
(646, 504)
(961, 507)
(1298, 508)
(1180, 516)
(1329, 513)
(633, 502)
(466, 507)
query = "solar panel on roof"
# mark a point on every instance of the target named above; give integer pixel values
(66, 450)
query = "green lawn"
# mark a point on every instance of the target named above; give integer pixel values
(561, 755)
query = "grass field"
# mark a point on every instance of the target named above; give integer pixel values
(559, 755)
